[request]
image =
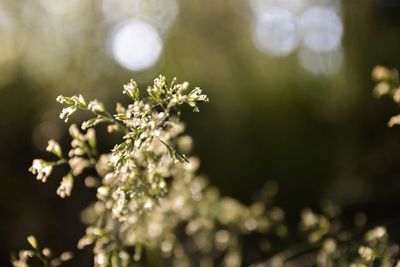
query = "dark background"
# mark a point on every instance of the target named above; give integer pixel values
(318, 136)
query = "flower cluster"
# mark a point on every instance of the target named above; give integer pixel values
(329, 242)
(388, 83)
(44, 255)
(148, 194)
(338, 246)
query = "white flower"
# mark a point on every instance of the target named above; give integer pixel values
(96, 106)
(54, 148)
(131, 90)
(77, 165)
(66, 112)
(65, 188)
(42, 169)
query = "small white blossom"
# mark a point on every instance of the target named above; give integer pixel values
(66, 112)
(77, 165)
(42, 169)
(74, 131)
(65, 188)
(395, 120)
(131, 90)
(66, 256)
(375, 234)
(366, 253)
(96, 106)
(54, 148)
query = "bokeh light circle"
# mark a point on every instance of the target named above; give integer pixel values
(259, 7)
(326, 63)
(136, 45)
(275, 32)
(161, 14)
(321, 29)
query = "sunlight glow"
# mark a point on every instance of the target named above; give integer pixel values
(161, 14)
(259, 7)
(276, 32)
(136, 45)
(321, 29)
(325, 63)
(312, 29)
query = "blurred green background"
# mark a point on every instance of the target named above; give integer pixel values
(289, 86)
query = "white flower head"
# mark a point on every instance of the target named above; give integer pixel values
(54, 148)
(42, 169)
(66, 112)
(65, 188)
(96, 106)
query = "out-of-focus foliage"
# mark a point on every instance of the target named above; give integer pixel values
(330, 243)
(388, 83)
(44, 255)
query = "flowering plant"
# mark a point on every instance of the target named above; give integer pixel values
(149, 197)
(151, 202)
